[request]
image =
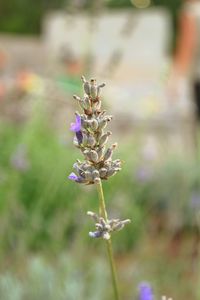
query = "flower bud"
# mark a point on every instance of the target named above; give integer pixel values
(78, 169)
(93, 155)
(103, 140)
(117, 166)
(87, 154)
(120, 224)
(109, 152)
(88, 176)
(102, 124)
(94, 124)
(110, 172)
(84, 123)
(102, 172)
(77, 98)
(85, 139)
(117, 163)
(84, 166)
(99, 88)
(91, 141)
(98, 134)
(100, 152)
(99, 226)
(90, 168)
(86, 86)
(97, 106)
(95, 175)
(97, 180)
(86, 102)
(102, 113)
(93, 89)
(93, 215)
(106, 235)
(95, 234)
(108, 118)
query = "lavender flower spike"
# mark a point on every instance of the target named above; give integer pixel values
(145, 291)
(76, 127)
(91, 137)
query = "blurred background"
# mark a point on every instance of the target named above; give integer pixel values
(144, 50)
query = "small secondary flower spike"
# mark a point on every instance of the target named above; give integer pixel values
(91, 138)
(104, 228)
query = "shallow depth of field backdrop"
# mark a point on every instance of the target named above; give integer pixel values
(45, 250)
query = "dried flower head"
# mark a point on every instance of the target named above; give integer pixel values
(91, 138)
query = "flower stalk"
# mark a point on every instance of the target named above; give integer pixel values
(103, 213)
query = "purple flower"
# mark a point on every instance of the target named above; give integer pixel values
(95, 234)
(144, 174)
(73, 177)
(19, 159)
(76, 127)
(195, 200)
(145, 291)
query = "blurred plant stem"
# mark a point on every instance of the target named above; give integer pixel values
(103, 213)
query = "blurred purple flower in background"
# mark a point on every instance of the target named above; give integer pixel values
(145, 291)
(19, 159)
(76, 127)
(150, 149)
(195, 200)
(144, 174)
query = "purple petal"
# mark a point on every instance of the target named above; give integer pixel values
(95, 234)
(73, 177)
(77, 125)
(79, 136)
(145, 291)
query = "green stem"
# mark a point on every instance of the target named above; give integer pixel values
(103, 213)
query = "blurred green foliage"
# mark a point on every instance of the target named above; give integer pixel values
(22, 16)
(25, 16)
(69, 279)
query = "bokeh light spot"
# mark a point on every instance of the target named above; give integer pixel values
(141, 3)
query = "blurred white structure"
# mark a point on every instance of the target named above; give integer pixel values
(128, 49)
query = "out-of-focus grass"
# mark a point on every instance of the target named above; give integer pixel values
(82, 274)
(68, 279)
